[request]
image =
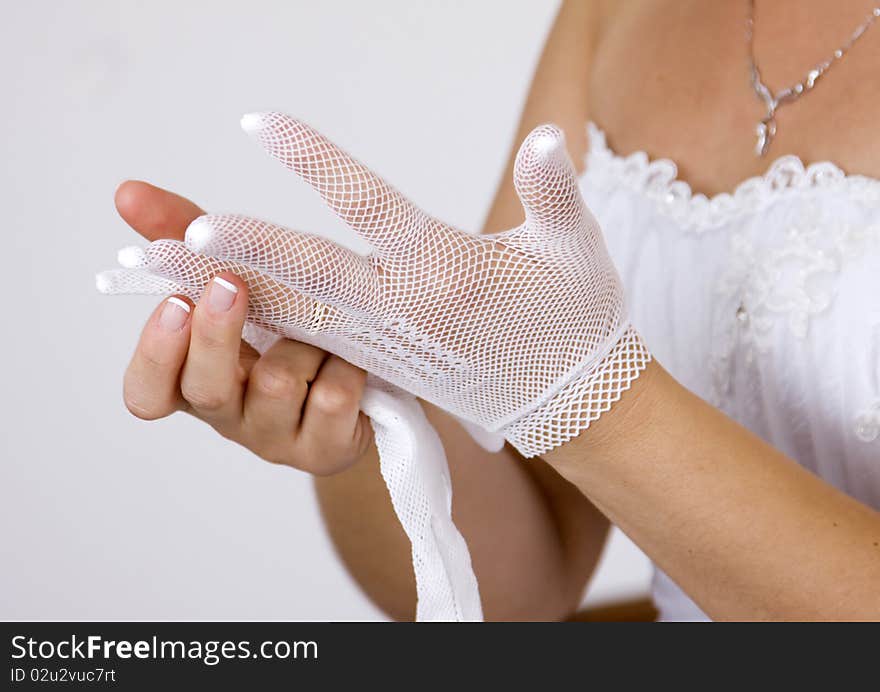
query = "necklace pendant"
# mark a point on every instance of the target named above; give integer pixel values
(765, 131)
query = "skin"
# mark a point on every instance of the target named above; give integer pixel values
(744, 530)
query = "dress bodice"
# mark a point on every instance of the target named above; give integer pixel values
(765, 302)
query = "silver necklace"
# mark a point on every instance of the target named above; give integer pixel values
(766, 129)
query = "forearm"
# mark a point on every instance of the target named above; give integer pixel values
(743, 529)
(533, 538)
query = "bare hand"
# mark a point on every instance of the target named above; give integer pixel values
(295, 405)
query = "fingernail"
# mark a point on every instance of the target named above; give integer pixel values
(222, 295)
(174, 314)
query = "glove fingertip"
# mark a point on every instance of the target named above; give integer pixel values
(131, 257)
(104, 282)
(198, 234)
(544, 145)
(253, 122)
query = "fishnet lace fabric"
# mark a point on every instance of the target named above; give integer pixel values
(522, 332)
(415, 471)
(582, 400)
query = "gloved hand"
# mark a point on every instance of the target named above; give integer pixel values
(522, 332)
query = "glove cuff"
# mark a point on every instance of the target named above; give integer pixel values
(581, 401)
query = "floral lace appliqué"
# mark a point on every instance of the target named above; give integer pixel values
(788, 282)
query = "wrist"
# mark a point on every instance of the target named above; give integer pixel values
(582, 401)
(620, 428)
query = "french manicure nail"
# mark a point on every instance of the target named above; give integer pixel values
(174, 314)
(222, 295)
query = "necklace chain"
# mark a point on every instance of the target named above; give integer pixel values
(766, 129)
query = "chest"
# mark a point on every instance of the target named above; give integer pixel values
(672, 78)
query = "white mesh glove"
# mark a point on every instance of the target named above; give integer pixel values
(523, 333)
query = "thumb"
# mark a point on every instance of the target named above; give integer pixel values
(546, 182)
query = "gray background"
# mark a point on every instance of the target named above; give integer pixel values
(107, 517)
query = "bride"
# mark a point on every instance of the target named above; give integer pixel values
(729, 153)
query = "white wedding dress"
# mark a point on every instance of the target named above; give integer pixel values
(765, 302)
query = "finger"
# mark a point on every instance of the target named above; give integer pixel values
(276, 390)
(372, 208)
(271, 303)
(153, 212)
(141, 281)
(546, 182)
(314, 266)
(247, 356)
(212, 380)
(332, 425)
(151, 384)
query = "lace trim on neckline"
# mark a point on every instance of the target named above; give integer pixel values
(658, 180)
